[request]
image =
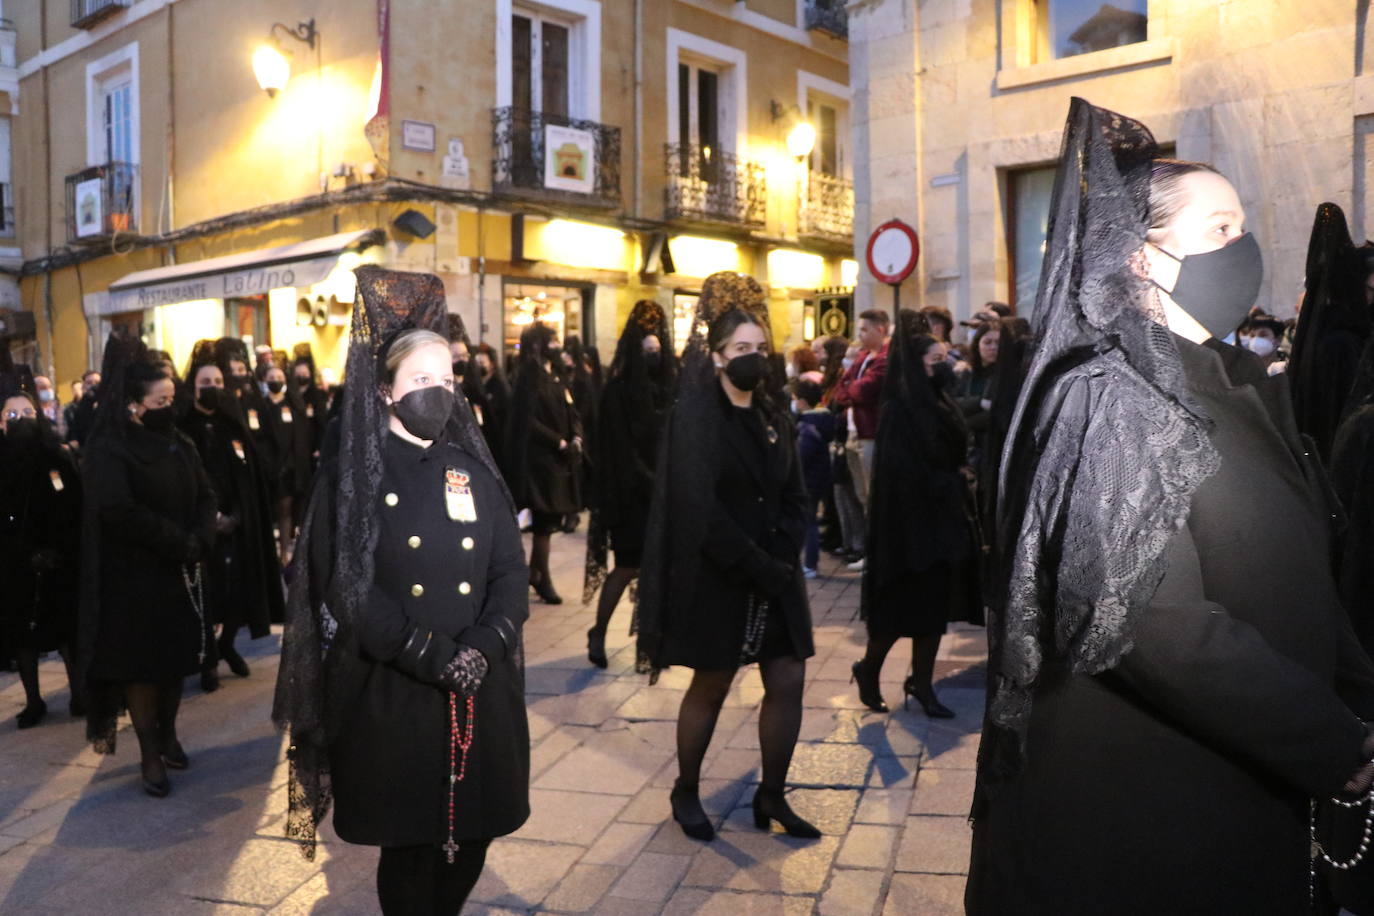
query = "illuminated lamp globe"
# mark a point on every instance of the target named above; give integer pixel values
(801, 140)
(271, 68)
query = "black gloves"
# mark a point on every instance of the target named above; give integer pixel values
(464, 672)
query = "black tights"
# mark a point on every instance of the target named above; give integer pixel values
(27, 660)
(539, 557)
(616, 582)
(779, 718)
(419, 881)
(923, 652)
(153, 709)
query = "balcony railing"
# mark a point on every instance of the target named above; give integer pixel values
(552, 157)
(6, 210)
(706, 185)
(86, 13)
(100, 202)
(828, 16)
(827, 209)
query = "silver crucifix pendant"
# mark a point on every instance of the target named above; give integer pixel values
(450, 850)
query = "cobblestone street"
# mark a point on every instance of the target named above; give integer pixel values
(890, 792)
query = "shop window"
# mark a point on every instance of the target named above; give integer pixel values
(566, 308)
(1028, 214)
(1065, 28)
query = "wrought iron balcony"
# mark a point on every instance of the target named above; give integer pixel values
(827, 208)
(707, 185)
(86, 13)
(101, 202)
(828, 16)
(551, 157)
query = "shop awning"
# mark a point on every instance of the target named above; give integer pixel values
(251, 273)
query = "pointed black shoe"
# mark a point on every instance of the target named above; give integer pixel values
(32, 714)
(932, 707)
(157, 788)
(544, 589)
(772, 806)
(234, 661)
(596, 648)
(175, 757)
(689, 814)
(869, 692)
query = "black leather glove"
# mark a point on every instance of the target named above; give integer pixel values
(769, 575)
(465, 671)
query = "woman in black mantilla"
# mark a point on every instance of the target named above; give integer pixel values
(721, 585)
(1172, 676)
(149, 521)
(402, 677)
(1332, 329)
(922, 569)
(40, 531)
(633, 405)
(543, 450)
(244, 587)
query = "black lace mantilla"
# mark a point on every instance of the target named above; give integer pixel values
(1106, 447)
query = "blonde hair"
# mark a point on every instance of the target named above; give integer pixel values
(406, 343)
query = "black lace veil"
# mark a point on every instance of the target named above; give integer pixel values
(630, 372)
(1332, 330)
(333, 562)
(686, 470)
(1105, 447)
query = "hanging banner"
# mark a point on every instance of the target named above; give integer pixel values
(569, 159)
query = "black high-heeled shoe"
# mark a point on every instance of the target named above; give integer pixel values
(870, 694)
(175, 757)
(234, 661)
(932, 707)
(689, 814)
(157, 788)
(772, 806)
(544, 589)
(596, 648)
(31, 714)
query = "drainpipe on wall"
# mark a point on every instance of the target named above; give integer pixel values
(639, 105)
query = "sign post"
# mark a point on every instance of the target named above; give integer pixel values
(893, 250)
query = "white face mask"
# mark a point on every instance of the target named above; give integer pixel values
(1260, 346)
(45, 395)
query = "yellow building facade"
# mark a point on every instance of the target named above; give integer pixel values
(554, 160)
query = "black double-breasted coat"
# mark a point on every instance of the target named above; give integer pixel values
(440, 584)
(756, 510)
(1179, 781)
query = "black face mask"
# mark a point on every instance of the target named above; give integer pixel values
(160, 419)
(653, 362)
(276, 387)
(22, 430)
(1217, 288)
(425, 411)
(555, 356)
(303, 381)
(747, 371)
(942, 375)
(460, 368)
(208, 397)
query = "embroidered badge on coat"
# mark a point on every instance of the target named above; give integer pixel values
(253, 423)
(56, 477)
(238, 450)
(458, 496)
(285, 414)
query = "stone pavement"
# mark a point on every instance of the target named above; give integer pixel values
(890, 792)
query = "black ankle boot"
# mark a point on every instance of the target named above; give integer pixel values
(689, 814)
(771, 805)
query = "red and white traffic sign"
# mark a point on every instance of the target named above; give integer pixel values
(893, 250)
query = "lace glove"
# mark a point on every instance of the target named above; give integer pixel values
(464, 672)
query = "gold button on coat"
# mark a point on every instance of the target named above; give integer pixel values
(464, 588)
(467, 543)
(413, 540)
(417, 590)
(392, 499)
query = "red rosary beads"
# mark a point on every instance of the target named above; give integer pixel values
(458, 744)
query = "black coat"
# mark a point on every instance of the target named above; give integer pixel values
(40, 539)
(245, 585)
(149, 513)
(296, 446)
(630, 425)
(543, 477)
(439, 584)
(757, 511)
(1179, 781)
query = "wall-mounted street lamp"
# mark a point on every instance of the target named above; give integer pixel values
(801, 136)
(271, 64)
